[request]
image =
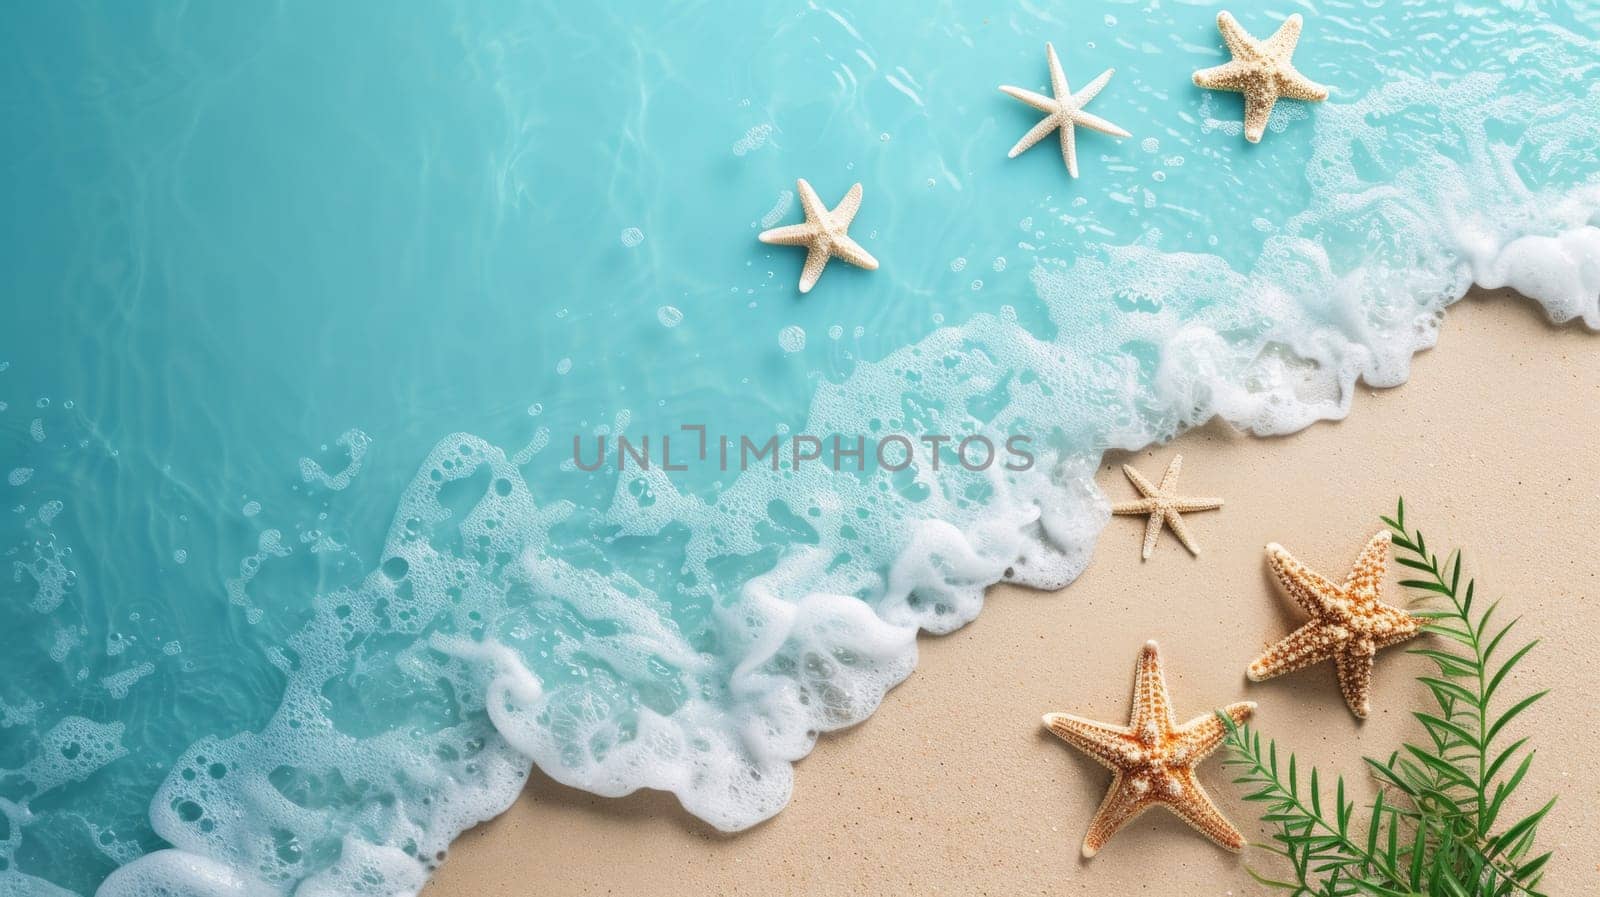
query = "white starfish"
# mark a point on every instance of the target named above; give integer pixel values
(824, 234)
(1261, 70)
(1063, 112)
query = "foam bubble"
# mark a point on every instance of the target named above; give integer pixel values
(792, 339)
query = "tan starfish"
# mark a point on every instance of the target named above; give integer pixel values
(1348, 623)
(1260, 70)
(1164, 506)
(1153, 759)
(1063, 112)
(823, 233)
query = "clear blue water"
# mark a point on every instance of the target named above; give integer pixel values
(304, 305)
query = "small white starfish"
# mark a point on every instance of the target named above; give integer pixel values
(1164, 505)
(824, 234)
(1063, 112)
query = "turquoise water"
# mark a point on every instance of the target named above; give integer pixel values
(305, 304)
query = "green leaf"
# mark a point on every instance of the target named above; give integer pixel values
(1505, 718)
(1505, 668)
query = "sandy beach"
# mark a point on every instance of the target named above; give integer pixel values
(953, 787)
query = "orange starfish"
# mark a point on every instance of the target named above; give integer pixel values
(1153, 759)
(1349, 623)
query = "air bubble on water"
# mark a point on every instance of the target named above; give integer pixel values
(792, 339)
(755, 138)
(958, 264)
(1026, 223)
(36, 430)
(859, 332)
(938, 317)
(180, 556)
(1150, 145)
(779, 209)
(536, 409)
(1111, 21)
(999, 264)
(884, 137)
(43, 402)
(564, 367)
(632, 236)
(1158, 176)
(669, 316)
(977, 285)
(251, 508)
(835, 332)
(20, 475)
(932, 182)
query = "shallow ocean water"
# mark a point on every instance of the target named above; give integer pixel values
(304, 306)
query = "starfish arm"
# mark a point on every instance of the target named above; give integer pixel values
(852, 252)
(1138, 480)
(1093, 88)
(1181, 530)
(1311, 643)
(1219, 77)
(1034, 135)
(1315, 594)
(1238, 41)
(788, 235)
(1106, 744)
(1283, 41)
(810, 202)
(1169, 480)
(816, 260)
(1152, 532)
(1204, 734)
(1069, 148)
(1194, 806)
(1120, 807)
(1366, 576)
(1152, 709)
(1058, 78)
(1257, 110)
(1185, 505)
(1355, 678)
(1137, 506)
(1096, 123)
(1036, 100)
(1394, 626)
(845, 211)
(1296, 86)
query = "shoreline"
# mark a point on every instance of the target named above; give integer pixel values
(952, 785)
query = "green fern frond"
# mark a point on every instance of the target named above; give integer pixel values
(1435, 828)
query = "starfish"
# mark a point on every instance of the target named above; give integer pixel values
(1348, 623)
(823, 234)
(1153, 759)
(1260, 70)
(1063, 112)
(1163, 506)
